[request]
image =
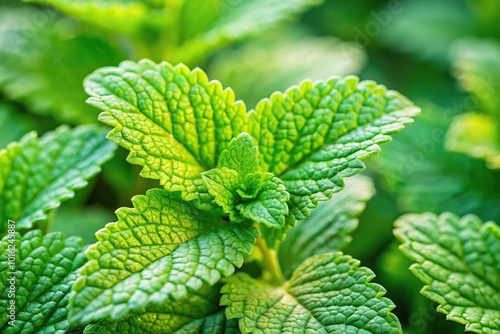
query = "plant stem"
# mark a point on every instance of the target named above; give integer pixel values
(271, 264)
(45, 225)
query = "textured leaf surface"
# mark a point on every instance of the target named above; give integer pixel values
(45, 269)
(411, 31)
(459, 261)
(174, 121)
(476, 66)
(258, 197)
(328, 293)
(223, 183)
(161, 249)
(37, 174)
(242, 191)
(197, 313)
(270, 205)
(313, 135)
(241, 155)
(329, 227)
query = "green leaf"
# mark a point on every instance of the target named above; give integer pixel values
(163, 248)
(241, 155)
(44, 270)
(313, 135)
(258, 197)
(223, 183)
(255, 16)
(36, 175)
(477, 135)
(328, 293)
(411, 31)
(197, 313)
(476, 66)
(237, 21)
(458, 260)
(126, 17)
(44, 84)
(329, 227)
(174, 121)
(269, 207)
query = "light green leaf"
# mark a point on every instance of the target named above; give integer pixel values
(258, 197)
(241, 155)
(238, 21)
(163, 248)
(477, 135)
(44, 270)
(313, 135)
(223, 183)
(269, 207)
(197, 313)
(328, 293)
(173, 120)
(426, 34)
(476, 66)
(329, 227)
(36, 175)
(126, 17)
(459, 261)
(44, 84)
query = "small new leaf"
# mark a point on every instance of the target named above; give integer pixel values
(269, 207)
(39, 280)
(161, 249)
(37, 174)
(257, 197)
(241, 155)
(328, 293)
(222, 183)
(459, 261)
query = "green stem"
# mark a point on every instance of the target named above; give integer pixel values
(46, 224)
(271, 264)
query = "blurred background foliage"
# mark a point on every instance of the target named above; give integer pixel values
(444, 55)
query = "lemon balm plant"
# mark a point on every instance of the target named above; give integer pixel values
(233, 183)
(208, 252)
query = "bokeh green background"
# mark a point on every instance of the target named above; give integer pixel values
(444, 55)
